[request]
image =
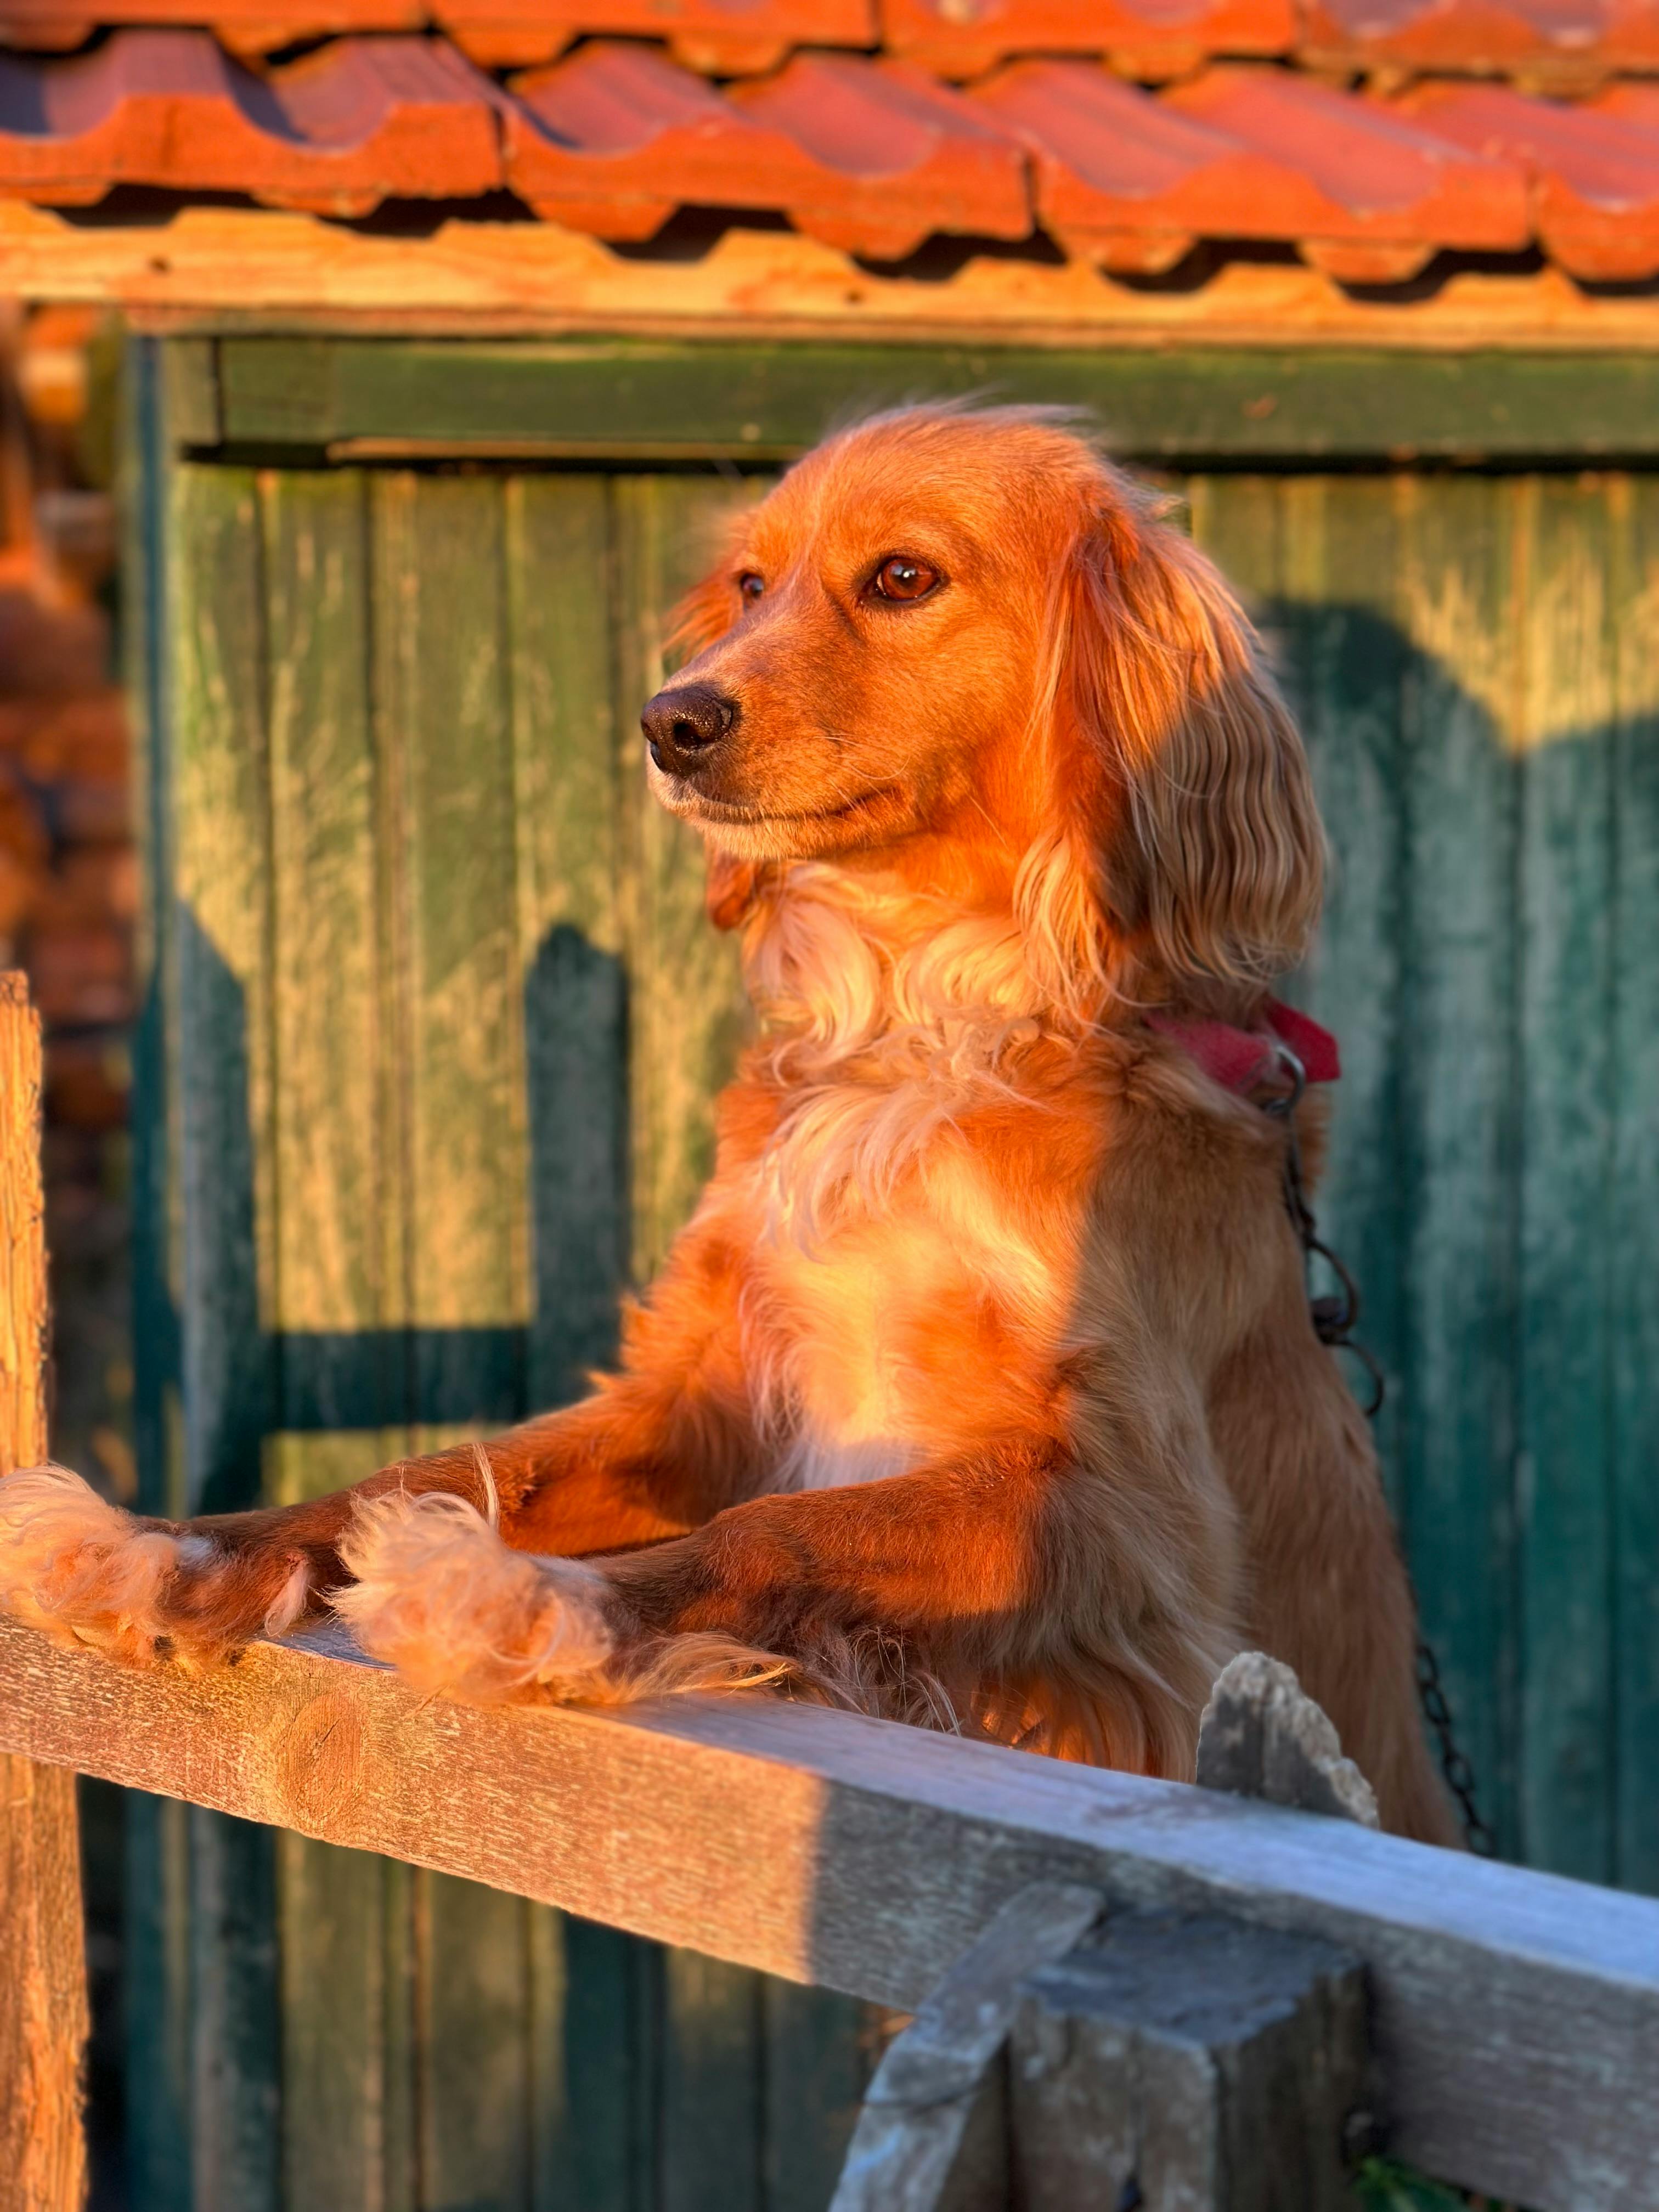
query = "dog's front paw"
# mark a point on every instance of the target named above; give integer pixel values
(439, 1596)
(85, 1572)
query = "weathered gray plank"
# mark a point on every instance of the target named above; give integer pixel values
(1455, 591)
(1187, 2065)
(1565, 683)
(1516, 2015)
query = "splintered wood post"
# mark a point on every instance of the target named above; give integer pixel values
(1188, 2064)
(43, 1983)
(1262, 1735)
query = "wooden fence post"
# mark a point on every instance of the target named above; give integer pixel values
(43, 1984)
(1188, 2064)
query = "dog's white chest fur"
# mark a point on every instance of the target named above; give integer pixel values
(818, 1461)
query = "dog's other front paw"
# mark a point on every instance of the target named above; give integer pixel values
(439, 1596)
(85, 1572)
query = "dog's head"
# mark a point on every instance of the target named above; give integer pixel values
(959, 644)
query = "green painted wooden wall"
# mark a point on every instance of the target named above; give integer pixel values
(438, 1021)
(423, 1077)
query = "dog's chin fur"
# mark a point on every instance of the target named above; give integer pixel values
(875, 819)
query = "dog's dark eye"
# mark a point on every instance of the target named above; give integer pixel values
(750, 585)
(899, 577)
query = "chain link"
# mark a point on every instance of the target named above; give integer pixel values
(1334, 1320)
(1454, 1764)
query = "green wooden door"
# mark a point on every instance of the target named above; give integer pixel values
(436, 1025)
(423, 1079)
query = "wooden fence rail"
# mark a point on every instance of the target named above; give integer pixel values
(1514, 2017)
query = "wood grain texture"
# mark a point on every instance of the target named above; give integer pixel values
(205, 265)
(224, 1206)
(1516, 2015)
(1187, 2065)
(43, 2000)
(567, 817)
(1634, 1234)
(43, 1986)
(23, 1341)
(688, 1011)
(758, 403)
(1564, 1503)
(1455, 594)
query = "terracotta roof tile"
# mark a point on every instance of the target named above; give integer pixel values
(356, 123)
(1593, 172)
(1120, 177)
(1134, 180)
(244, 26)
(1541, 40)
(870, 157)
(1375, 196)
(908, 156)
(725, 38)
(868, 152)
(1151, 38)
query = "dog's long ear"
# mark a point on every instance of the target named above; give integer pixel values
(705, 614)
(708, 610)
(1178, 763)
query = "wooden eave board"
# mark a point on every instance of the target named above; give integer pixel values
(368, 398)
(212, 266)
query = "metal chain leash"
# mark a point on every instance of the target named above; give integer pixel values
(1334, 1316)
(1453, 1764)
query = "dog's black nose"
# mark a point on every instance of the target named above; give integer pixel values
(682, 725)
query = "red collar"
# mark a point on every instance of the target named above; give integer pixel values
(1238, 1060)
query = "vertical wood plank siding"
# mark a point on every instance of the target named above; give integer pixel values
(1474, 658)
(425, 1081)
(417, 883)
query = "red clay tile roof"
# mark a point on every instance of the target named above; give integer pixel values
(1366, 136)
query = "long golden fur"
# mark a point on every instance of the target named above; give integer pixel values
(981, 1388)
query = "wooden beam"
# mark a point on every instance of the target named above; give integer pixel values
(43, 1988)
(1516, 2015)
(615, 398)
(205, 266)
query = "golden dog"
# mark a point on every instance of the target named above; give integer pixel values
(981, 1388)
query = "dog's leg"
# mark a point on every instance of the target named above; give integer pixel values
(657, 1449)
(980, 1573)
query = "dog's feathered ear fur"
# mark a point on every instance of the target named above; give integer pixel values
(1181, 785)
(704, 615)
